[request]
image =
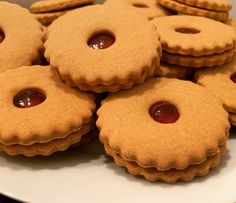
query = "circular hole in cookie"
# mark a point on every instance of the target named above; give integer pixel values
(164, 112)
(101, 40)
(139, 5)
(233, 77)
(28, 98)
(2, 36)
(187, 30)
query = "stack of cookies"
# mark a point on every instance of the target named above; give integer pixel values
(46, 11)
(215, 9)
(156, 127)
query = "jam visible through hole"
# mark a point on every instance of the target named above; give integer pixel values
(28, 98)
(140, 5)
(164, 112)
(2, 36)
(186, 30)
(101, 41)
(233, 77)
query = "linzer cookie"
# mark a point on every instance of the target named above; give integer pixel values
(21, 37)
(153, 131)
(148, 8)
(219, 5)
(41, 115)
(187, 7)
(105, 51)
(192, 41)
(173, 71)
(45, 6)
(221, 82)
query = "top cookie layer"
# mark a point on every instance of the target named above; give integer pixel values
(23, 37)
(127, 127)
(147, 8)
(193, 35)
(217, 5)
(129, 58)
(64, 110)
(56, 5)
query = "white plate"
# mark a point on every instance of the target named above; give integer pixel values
(87, 175)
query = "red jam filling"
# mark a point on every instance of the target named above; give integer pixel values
(187, 30)
(233, 77)
(28, 98)
(2, 36)
(164, 112)
(101, 41)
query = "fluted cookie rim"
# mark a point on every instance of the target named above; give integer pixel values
(89, 69)
(57, 5)
(47, 121)
(24, 37)
(190, 10)
(162, 151)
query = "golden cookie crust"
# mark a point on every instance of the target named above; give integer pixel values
(206, 42)
(64, 111)
(57, 5)
(105, 67)
(219, 5)
(126, 126)
(148, 8)
(171, 175)
(172, 71)
(198, 61)
(23, 37)
(218, 82)
(190, 10)
(46, 149)
(48, 18)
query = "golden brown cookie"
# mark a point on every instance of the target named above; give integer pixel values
(21, 37)
(173, 71)
(219, 5)
(191, 40)
(102, 52)
(152, 129)
(191, 10)
(148, 8)
(232, 118)
(198, 61)
(220, 82)
(40, 114)
(48, 18)
(45, 6)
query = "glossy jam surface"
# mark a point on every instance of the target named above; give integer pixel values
(28, 98)
(233, 77)
(101, 41)
(140, 5)
(164, 112)
(187, 30)
(2, 36)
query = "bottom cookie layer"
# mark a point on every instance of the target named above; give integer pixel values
(198, 62)
(48, 148)
(169, 176)
(232, 119)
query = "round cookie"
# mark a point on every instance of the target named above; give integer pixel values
(102, 52)
(160, 135)
(57, 5)
(220, 82)
(21, 37)
(48, 18)
(191, 10)
(219, 5)
(148, 8)
(40, 114)
(193, 35)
